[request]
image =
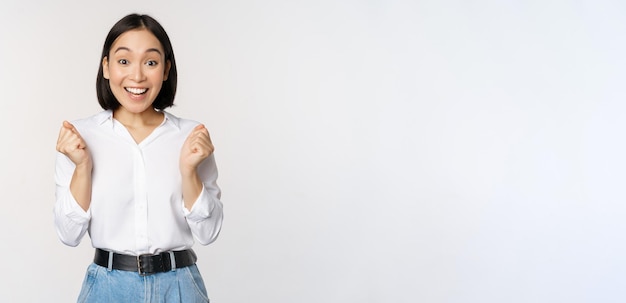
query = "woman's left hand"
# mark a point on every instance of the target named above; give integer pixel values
(197, 147)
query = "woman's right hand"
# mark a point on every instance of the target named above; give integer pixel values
(71, 144)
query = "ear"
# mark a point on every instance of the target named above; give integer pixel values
(166, 71)
(105, 67)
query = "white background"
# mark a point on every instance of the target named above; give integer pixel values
(369, 151)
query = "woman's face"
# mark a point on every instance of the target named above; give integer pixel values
(136, 69)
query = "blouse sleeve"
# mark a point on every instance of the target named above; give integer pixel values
(206, 215)
(70, 220)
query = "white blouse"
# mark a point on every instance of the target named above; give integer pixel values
(136, 201)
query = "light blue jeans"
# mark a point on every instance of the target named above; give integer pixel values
(182, 285)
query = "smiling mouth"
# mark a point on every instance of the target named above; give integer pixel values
(136, 91)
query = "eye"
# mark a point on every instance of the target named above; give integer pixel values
(151, 63)
(122, 61)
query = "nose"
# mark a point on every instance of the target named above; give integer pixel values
(137, 73)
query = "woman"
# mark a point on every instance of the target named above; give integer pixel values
(140, 180)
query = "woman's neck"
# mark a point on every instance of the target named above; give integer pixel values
(147, 118)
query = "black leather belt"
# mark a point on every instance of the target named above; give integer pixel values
(146, 264)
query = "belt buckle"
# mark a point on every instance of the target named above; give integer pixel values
(140, 265)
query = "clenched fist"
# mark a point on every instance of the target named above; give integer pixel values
(71, 144)
(197, 147)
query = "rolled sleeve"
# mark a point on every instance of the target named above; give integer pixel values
(205, 217)
(71, 221)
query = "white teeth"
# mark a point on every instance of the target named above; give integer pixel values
(136, 91)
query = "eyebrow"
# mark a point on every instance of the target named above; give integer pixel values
(128, 49)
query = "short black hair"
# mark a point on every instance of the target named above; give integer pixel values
(165, 98)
